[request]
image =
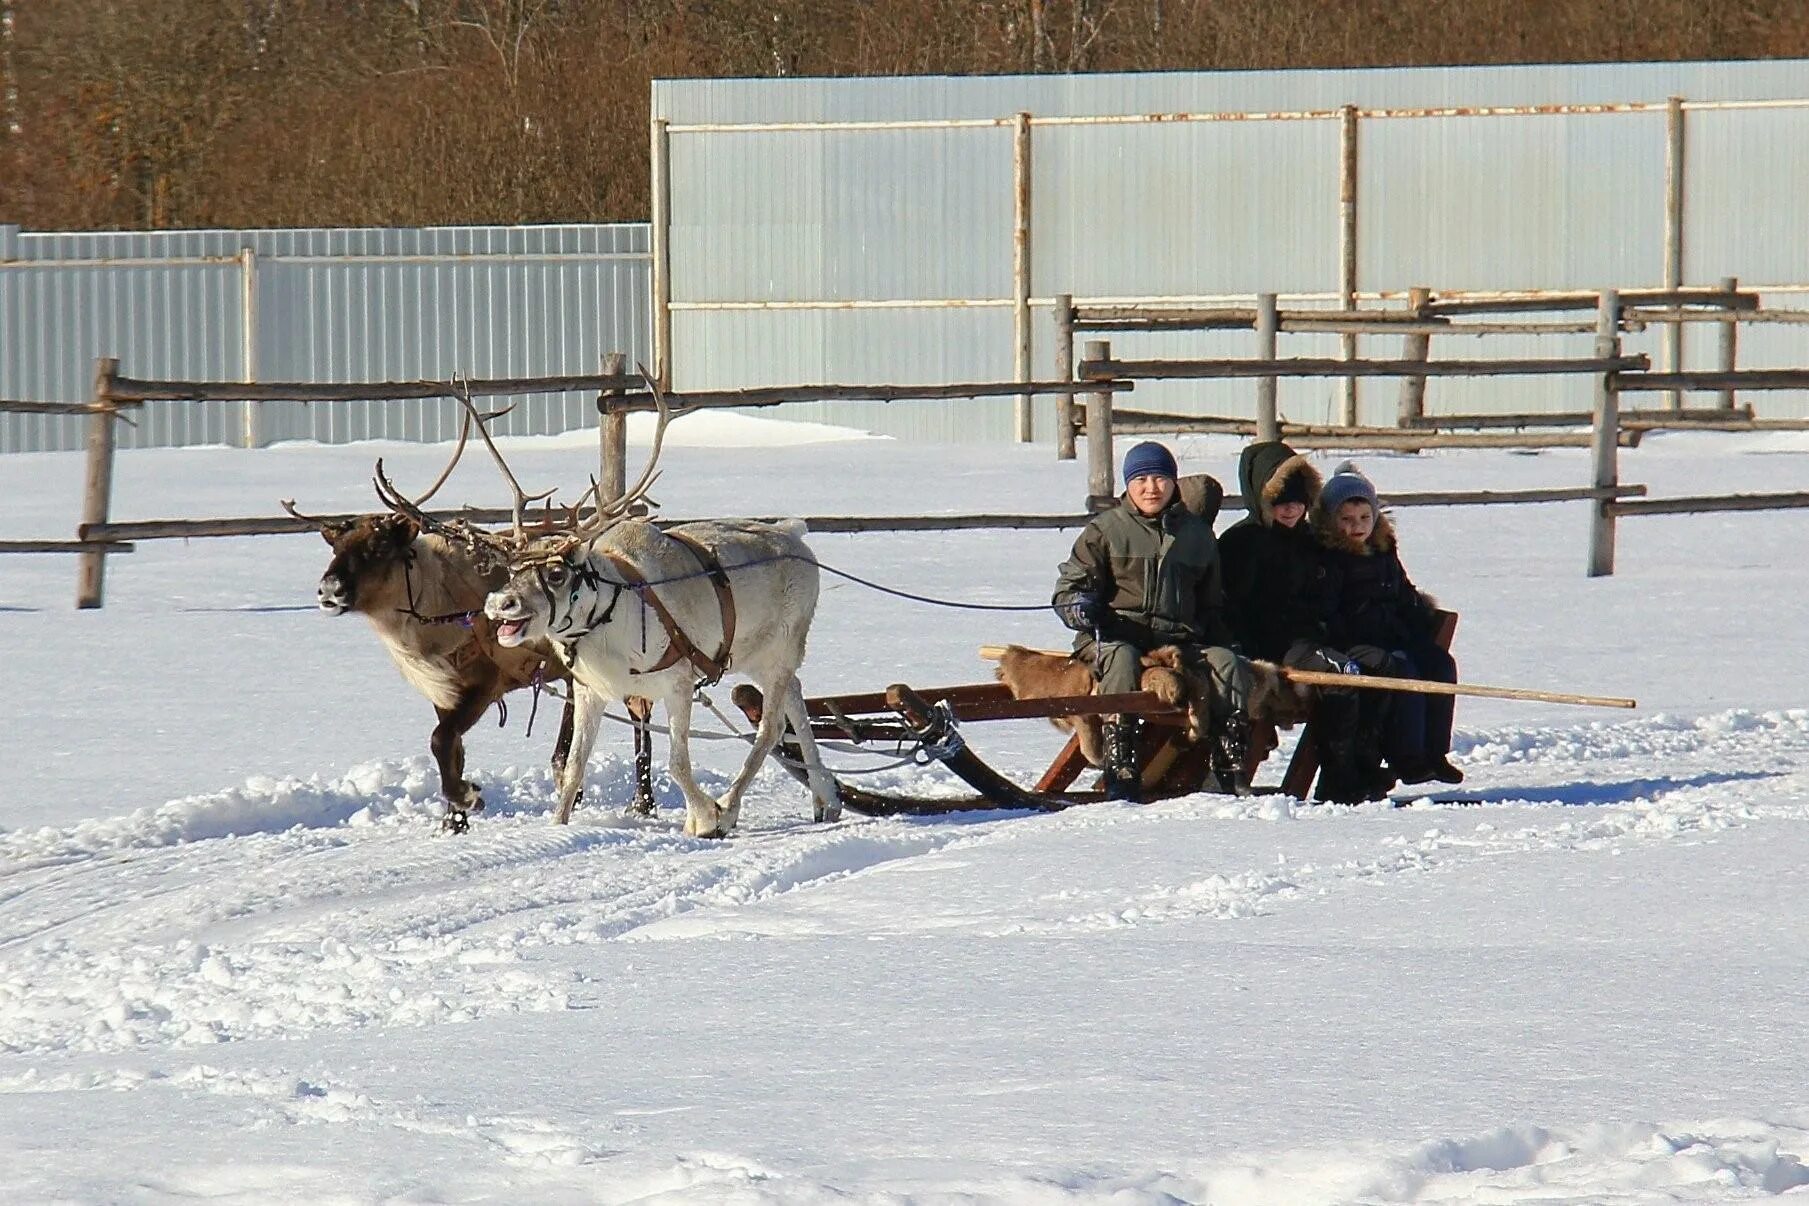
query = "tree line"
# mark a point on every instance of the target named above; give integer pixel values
(138, 114)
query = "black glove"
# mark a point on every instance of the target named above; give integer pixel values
(1333, 662)
(1082, 612)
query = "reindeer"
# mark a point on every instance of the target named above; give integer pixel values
(423, 593)
(634, 610)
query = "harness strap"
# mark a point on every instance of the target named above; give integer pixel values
(725, 597)
(679, 647)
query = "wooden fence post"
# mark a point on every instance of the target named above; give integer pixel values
(1064, 371)
(660, 244)
(1268, 324)
(1417, 346)
(1674, 217)
(1730, 340)
(1100, 471)
(252, 430)
(1347, 239)
(1020, 274)
(1605, 450)
(612, 436)
(98, 493)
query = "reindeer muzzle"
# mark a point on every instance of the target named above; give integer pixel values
(332, 596)
(506, 610)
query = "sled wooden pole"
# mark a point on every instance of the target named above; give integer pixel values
(1379, 682)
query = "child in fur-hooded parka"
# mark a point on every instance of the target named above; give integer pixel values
(1384, 623)
(1275, 581)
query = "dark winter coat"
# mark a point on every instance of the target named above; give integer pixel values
(1369, 598)
(1159, 576)
(1274, 576)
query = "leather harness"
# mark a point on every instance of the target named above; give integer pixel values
(679, 646)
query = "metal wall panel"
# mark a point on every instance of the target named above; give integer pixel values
(1184, 209)
(326, 305)
(1537, 202)
(852, 215)
(1165, 208)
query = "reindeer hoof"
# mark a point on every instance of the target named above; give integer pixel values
(642, 807)
(456, 820)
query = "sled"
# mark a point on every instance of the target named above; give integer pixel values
(933, 721)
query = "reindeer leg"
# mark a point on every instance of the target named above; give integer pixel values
(642, 712)
(826, 801)
(562, 748)
(702, 817)
(448, 746)
(589, 706)
(766, 736)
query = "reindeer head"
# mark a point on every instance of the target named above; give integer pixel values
(555, 591)
(370, 554)
(545, 580)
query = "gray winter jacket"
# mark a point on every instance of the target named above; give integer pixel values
(1159, 576)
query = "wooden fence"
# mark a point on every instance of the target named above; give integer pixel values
(1098, 376)
(1612, 373)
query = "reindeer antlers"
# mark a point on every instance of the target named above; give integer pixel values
(577, 528)
(523, 499)
(613, 512)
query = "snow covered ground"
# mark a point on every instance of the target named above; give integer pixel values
(237, 963)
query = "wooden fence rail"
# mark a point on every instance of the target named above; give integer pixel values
(275, 525)
(1098, 377)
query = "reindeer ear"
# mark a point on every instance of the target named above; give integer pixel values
(331, 532)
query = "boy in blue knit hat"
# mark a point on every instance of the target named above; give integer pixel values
(1145, 574)
(1377, 615)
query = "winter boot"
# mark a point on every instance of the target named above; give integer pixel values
(1230, 755)
(1123, 781)
(1341, 778)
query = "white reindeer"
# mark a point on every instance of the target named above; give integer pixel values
(636, 611)
(599, 602)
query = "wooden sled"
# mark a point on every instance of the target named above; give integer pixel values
(932, 721)
(1170, 764)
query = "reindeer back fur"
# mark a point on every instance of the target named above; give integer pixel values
(772, 575)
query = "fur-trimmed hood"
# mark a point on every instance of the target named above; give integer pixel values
(1325, 527)
(1264, 469)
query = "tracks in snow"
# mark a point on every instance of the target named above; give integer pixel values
(284, 906)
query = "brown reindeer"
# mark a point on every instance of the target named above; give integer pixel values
(423, 592)
(424, 595)
(1037, 674)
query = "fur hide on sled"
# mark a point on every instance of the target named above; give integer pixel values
(1275, 703)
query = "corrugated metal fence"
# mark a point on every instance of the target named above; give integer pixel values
(889, 247)
(314, 305)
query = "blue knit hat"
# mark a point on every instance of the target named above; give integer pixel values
(1149, 457)
(1346, 483)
